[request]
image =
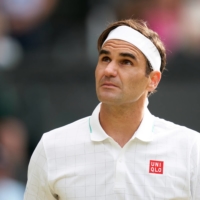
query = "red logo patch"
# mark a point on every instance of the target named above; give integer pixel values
(156, 167)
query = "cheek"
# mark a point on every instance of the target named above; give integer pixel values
(98, 72)
(97, 77)
(136, 82)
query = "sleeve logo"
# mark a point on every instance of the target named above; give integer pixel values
(156, 167)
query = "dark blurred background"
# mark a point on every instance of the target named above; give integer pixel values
(47, 60)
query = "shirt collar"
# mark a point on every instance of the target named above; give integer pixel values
(143, 133)
(145, 130)
(97, 132)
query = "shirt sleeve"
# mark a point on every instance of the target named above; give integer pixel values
(195, 170)
(37, 187)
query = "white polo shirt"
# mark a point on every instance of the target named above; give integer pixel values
(81, 162)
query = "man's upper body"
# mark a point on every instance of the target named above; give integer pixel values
(80, 161)
(122, 151)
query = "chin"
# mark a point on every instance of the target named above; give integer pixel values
(109, 100)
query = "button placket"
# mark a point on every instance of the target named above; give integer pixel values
(120, 171)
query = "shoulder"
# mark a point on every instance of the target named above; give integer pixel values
(67, 133)
(69, 128)
(168, 128)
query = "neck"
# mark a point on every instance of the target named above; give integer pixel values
(121, 122)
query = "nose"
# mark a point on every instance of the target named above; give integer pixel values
(111, 70)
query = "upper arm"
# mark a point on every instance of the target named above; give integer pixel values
(195, 170)
(37, 187)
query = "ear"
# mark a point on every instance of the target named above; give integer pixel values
(154, 79)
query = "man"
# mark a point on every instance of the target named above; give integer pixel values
(121, 151)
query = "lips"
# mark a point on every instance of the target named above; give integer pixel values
(108, 84)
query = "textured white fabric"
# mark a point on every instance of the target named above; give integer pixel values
(81, 162)
(134, 37)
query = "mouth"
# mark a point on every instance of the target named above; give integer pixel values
(109, 85)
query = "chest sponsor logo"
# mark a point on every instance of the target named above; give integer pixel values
(156, 167)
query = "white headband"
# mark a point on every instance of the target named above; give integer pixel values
(145, 45)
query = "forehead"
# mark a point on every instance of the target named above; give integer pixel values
(121, 46)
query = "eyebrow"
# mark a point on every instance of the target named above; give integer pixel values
(103, 51)
(128, 55)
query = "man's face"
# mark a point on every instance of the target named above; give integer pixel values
(120, 73)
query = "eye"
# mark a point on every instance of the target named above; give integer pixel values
(105, 59)
(126, 62)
